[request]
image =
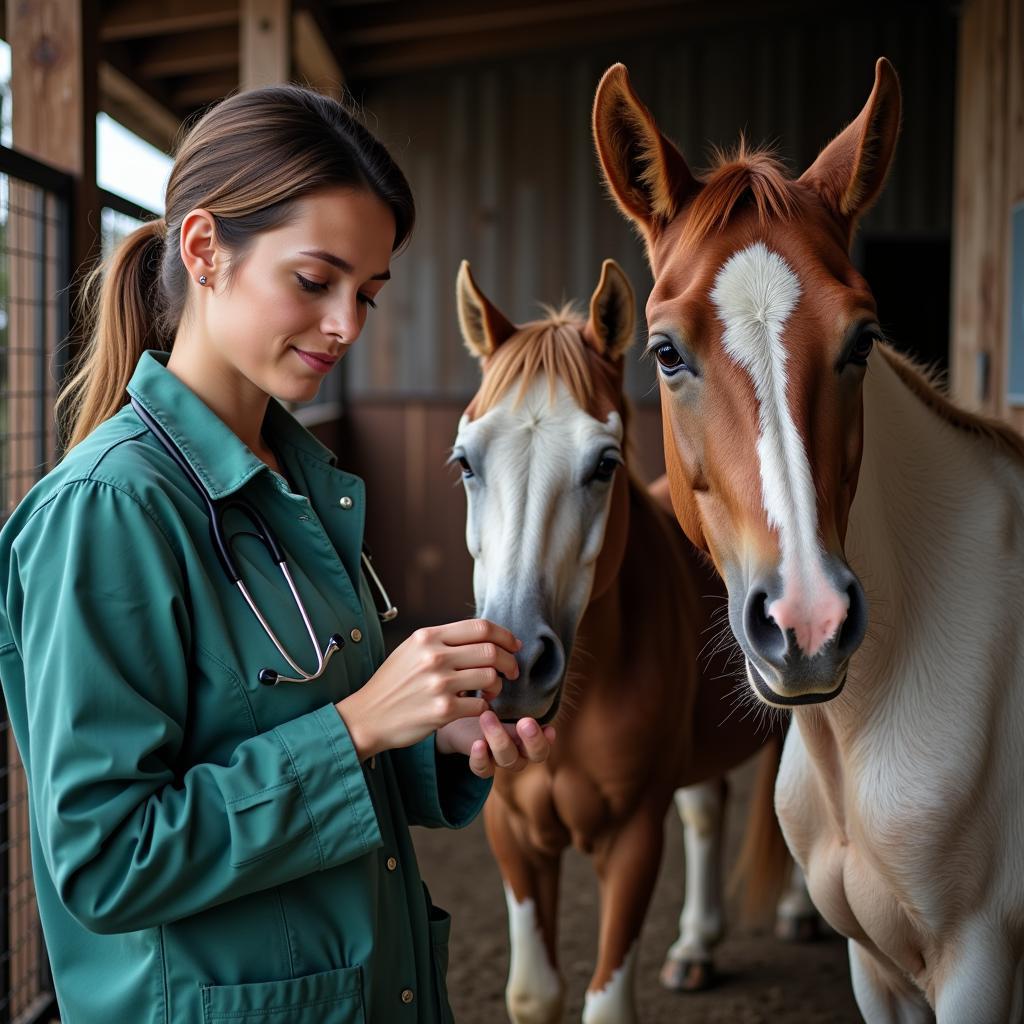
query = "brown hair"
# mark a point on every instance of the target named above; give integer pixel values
(247, 161)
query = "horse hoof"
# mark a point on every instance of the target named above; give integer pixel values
(802, 928)
(687, 975)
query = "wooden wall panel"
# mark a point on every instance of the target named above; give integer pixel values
(502, 166)
(990, 180)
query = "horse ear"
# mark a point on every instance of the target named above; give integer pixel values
(646, 175)
(612, 321)
(484, 327)
(851, 169)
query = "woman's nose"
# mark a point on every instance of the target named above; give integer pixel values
(345, 321)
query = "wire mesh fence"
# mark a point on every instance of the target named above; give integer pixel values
(34, 317)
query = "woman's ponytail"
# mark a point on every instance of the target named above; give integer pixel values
(121, 300)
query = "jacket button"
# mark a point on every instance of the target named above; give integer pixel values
(391, 863)
(356, 635)
(346, 502)
(407, 995)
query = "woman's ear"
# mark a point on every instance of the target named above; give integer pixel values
(612, 313)
(483, 325)
(198, 244)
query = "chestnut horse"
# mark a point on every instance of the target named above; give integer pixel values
(816, 465)
(577, 560)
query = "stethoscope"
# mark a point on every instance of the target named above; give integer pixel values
(215, 511)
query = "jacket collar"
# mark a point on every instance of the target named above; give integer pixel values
(219, 457)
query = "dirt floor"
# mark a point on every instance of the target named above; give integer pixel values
(761, 978)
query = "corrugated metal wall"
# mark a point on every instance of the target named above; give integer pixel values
(502, 166)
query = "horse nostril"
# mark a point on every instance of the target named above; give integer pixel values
(855, 625)
(763, 633)
(546, 662)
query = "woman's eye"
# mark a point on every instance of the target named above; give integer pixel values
(669, 359)
(311, 286)
(606, 468)
(863, 345)
(367, 301)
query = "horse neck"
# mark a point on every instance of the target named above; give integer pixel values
(937, 521)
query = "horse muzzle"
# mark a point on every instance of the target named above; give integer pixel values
(538, 690)
(789, 667)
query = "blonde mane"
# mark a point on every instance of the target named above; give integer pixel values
(552, 348)
(927, 386)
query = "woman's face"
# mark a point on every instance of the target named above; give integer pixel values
(302, 293)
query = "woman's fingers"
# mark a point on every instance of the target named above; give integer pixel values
(475, 631)
(483, 679)
(534, 741)
(480, 761)
(488, 655)
(503, 746)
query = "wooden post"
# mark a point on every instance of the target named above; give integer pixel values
(265, 45)
(989, 180)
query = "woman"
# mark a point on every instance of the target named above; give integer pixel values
(220, 816)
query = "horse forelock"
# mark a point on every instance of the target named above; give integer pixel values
(737, 179)
(553, 349)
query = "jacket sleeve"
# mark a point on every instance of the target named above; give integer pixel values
(131, 837)
(438, 790)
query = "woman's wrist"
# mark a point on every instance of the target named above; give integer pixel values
(362, 737)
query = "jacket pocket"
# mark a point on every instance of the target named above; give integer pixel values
(331, 997)
(440, 924)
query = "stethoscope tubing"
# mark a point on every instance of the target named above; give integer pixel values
(215, 511)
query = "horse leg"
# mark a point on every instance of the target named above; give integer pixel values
(984, 980)
(535, 991)
(883, 997)
(796, 919)
(627, 865)
(688, 966)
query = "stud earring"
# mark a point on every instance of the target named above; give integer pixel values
(202, 279)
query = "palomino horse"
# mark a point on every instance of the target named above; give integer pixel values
(573, 556)
(814, 463)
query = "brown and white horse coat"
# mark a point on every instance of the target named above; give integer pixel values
(824, 473)
(607, 595)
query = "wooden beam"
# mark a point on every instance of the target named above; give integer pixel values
(138, 110)
(400, 57)
(187, 53)
(392, 30)
(135, 19)
(265, 50)
(198, 90)
(313, 58)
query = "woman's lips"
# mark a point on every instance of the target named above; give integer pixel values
(319, 363)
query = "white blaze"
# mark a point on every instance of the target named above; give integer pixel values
(754, 294)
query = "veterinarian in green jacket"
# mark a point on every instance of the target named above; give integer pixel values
(208, 847)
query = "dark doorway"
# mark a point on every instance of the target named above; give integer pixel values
(910, 279)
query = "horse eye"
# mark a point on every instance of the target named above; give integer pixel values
(467, 469)
(606, 468)
(668, 358)
(863, 345)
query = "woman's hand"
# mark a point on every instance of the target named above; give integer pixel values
(428, 682)
(490, 743)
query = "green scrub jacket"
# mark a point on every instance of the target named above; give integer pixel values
(206, 848)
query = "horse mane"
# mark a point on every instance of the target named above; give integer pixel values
(736, 178)
(553, 348)
(929, 387)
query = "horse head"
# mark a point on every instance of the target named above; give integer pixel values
(541, 447)
(762, 331)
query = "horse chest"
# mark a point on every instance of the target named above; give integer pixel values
(863, 871)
